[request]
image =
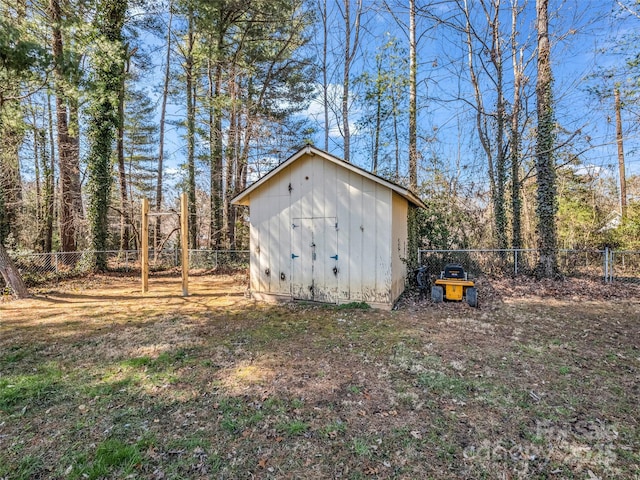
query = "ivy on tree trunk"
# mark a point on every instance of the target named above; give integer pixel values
(104, 121)
(547, 203)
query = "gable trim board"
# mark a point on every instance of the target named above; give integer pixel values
(324, 230)
(243, 197)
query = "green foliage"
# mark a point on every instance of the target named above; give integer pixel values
(413, 240)
(579, 215)
(546, 195)
(384, 100)
(140, 143)
(22, 61)
(442, 225)
(434, 226)
(627, 235)
(354, 306)
(19, 54)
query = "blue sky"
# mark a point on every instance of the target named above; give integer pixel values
(583, 33)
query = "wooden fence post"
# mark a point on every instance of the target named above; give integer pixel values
(184, 236)
(144, 261)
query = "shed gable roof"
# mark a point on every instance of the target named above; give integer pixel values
(243, 197)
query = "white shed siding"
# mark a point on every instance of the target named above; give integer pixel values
(399, 240)
(324, 232)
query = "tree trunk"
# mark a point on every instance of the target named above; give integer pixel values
(104, 123)
(515, 137)
(413, 240)
(379, 92)
(350, 50)
(547, 206)
(122, 174)
(65, 142)
(232, 161)
(413, 74)
(396, 136)
(345, 81)
(163, 114)
(11, 275)
(621, 169)
(490, 125)
(217, 204)
(48, 169)
(76, 184)
(500, 212)
(191, 132)
(38, 149)
(325, 73)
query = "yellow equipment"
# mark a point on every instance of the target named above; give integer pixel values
(453, 284)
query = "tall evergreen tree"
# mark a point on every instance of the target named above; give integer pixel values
(384, 103)
(140, 147)
(20, 60)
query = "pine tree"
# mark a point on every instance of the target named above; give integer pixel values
(140, 147)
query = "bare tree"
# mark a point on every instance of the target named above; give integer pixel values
(621, 168)
(413, 108)
(490, 124)
(351, 41)
(163, 114)
(515, 138)
(325, 74)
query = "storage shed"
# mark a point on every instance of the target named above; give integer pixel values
(324, 230)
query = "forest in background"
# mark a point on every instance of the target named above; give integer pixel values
(104, 102)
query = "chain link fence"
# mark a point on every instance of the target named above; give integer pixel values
(37, 268)
(607, 265)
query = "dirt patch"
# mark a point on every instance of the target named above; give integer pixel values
(100, 381)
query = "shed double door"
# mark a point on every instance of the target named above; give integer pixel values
(314, 259)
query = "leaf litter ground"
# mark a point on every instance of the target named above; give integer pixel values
(99, 381)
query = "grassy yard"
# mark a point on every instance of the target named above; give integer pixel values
(98, 381)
